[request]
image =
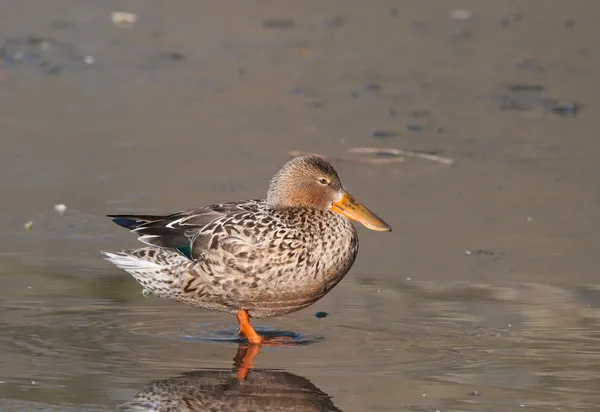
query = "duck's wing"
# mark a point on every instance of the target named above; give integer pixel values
(249, 242)
(178, 230)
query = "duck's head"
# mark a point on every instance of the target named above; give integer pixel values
(311, 182)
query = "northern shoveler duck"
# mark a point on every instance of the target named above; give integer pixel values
(254, 258)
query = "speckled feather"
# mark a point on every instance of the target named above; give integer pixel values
(241, 255)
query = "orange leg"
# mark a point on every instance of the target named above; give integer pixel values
(246, 328)
(244, 359)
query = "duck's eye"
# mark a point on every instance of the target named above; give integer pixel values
(323, 181)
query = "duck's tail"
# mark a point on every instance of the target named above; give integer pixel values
(158, 270)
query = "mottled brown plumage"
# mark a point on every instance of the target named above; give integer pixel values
(267, 257)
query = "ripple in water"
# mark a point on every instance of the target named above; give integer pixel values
(223, 333)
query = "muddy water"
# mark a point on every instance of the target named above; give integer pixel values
(485, 296)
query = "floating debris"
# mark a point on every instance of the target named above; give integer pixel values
(146, 292)
(529, 65)
(415, 127)
(44, 53)
(479, 252)
(334, 22)
(382, 134)
(300, 91)
(568, 109)
(62, 25)
(382, 155)
(321, 315)
(397, 153)
(522, 87)
(314, 105)
(373, 86)
(530, 97)
(475, 393)
(123, 19)
(28, 225)
(172, 56)
(504, 22)
(419, 114)
(278, 24)
(60, 209)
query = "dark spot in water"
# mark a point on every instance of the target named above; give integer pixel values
(419, 114)
(479, 252)
(504, 22)
(62, 25)
(382, 134)
(415, 127)
(48, 55)
(333, 22)
(523, 87)
(567, 109)
(172, 56)
(373, 86)
(321, 315)
(475, 393)
(278, 24)
(529, 65)
(314, 105)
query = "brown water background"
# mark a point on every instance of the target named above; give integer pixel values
(486, 295)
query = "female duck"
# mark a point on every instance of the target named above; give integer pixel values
(255, 258)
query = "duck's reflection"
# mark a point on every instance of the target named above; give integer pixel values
(239, 389)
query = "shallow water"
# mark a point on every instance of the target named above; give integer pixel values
(485, 296)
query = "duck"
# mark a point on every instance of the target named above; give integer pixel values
(255, 258)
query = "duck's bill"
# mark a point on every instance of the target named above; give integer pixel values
(354, 210)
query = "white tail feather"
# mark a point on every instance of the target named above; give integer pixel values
(159, 278)
(131, 263)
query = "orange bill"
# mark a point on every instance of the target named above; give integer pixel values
(354, 210)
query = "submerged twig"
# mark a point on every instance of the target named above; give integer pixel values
(391, 155)
(399, 153)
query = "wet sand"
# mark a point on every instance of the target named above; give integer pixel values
(483, 298)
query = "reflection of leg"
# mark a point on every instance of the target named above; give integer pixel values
(279, 341)
(246, 328)
(244, 358)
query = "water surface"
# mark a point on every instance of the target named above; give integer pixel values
(485, 296)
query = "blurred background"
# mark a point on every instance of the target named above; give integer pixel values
(485, 296)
